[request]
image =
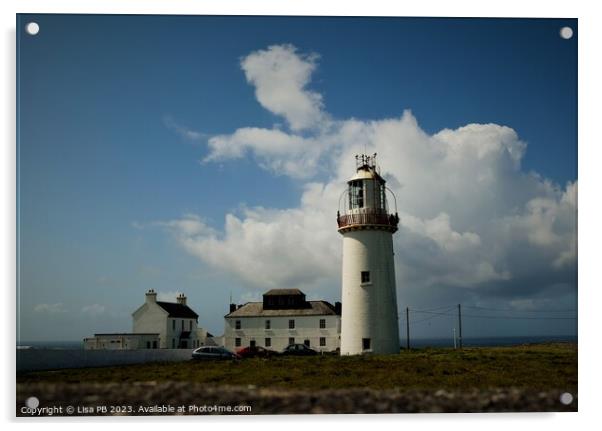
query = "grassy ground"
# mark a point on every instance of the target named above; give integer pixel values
(534, 367)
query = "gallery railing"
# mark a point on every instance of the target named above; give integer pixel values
(368, 218)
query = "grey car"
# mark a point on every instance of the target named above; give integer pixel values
(211, 352)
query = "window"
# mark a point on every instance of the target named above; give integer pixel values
(322, 341)
(291, 340)
(173, 324)
(154, 344)
(365, 276)
(148, 344)
(173, 342)
(356, 194)
(268, 341)
(322, 323)
(190, 325)
(237, 342)
(182, 324)
(268, 324)
(366, 343)
(237, 324)
(291, 324)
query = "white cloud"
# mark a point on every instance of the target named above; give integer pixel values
(93, 310)
(183, 131)
(280, 76)
(250, 296)
(470, 216)
(57, 308)
(169, 296)
(275, 150)
(265, 247)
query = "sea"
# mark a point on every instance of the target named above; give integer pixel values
(490, 341)
(414, 343)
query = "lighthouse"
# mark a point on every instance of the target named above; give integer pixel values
(369, 311)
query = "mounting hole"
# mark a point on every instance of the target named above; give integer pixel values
(32, 28)
(566, 398)
(566, 32)
(32, 402)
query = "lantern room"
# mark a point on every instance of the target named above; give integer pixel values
(364, 203)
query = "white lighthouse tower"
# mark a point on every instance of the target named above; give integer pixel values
(369, 313)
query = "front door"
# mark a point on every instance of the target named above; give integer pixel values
(252, 343)
(306, 342)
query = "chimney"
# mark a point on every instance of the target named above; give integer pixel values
(151, 296)
(181, 299)
(232, 307)
(338, 307)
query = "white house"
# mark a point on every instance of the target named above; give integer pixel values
(156, 324)
(283, 317)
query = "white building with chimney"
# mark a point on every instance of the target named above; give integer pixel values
(156, 325)
(283, 317)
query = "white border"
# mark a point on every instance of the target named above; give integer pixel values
(590, 71)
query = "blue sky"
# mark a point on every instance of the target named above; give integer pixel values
(117, 116)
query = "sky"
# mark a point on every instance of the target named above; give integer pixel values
(206, 155)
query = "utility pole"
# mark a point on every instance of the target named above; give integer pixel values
(455, 347)
(408, 328)
(460, 325)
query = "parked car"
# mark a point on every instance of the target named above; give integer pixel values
(298, 350)
(211, 352)
(255, 352)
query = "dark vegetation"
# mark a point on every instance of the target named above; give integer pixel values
(535, 367)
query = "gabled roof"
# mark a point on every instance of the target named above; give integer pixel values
(255, 309)
(178, 310)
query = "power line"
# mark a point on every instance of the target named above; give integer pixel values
(520, 317)
(499, 317)
(423, 320)
(449, 306)
(432, 317)
(519, 311)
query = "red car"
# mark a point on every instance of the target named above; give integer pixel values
(255, 352)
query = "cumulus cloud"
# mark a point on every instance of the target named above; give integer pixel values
(274, 149)
(471, 218)
(280, 75)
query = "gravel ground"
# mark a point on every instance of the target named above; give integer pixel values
(168, 398)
